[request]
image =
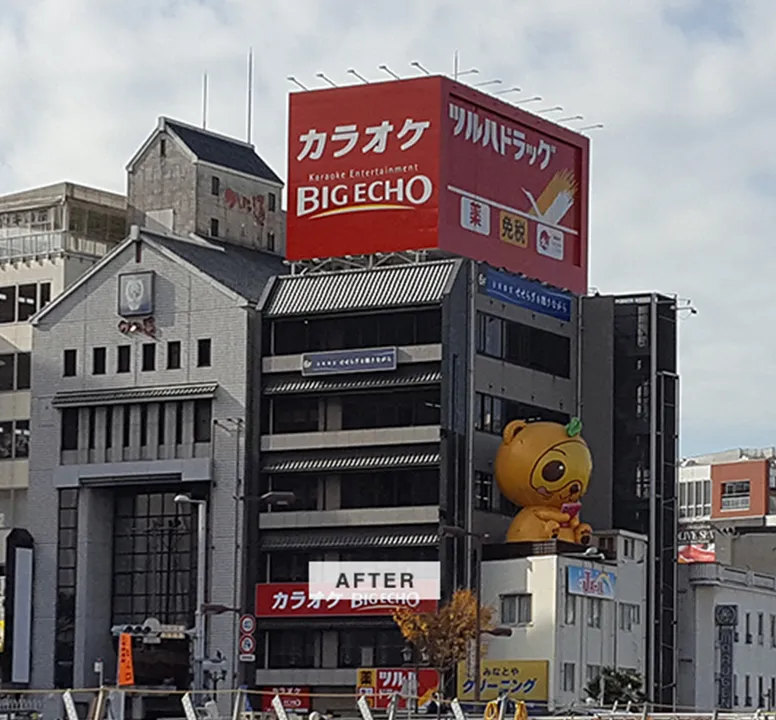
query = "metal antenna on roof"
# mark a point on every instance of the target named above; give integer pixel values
(249, 121)
(204, 101)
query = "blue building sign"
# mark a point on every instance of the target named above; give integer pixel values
(590, 582)
(525, 293)
(341, 362)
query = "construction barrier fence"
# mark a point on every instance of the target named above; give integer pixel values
(127, 703)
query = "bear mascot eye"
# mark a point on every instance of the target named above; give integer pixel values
(553, 471)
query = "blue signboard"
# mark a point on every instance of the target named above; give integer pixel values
(525, 293)
(591, 582)
(340, 362)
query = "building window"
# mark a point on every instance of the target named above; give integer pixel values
(143, 425)
(8, 304)
(178, 423)
(67, 544)
(386, 488)
(516, 609)
(123, 358)
(629, 548)
(174, 355)
(23, 371)
(21, 436)
(630, 616)
(387, 329)
(773, 636)
(98, 361)
(306, 492)
(401, 408)
(14, 372)
(595, 608)
(592, 673)
(370, 648)
(524, 345)
(568, 677)
(14, 439)
(109, 413)
(747, 691)
(149, 357)
(91, 431)
(215, 185)
(735, 495)
(491, 414)
(126, 425)
(295, 414)
(203, 419)
(293, 648)
(748, 628)
(483, 490)
(213, 227)
(20, 303)
(27, 301)
(271, 241)
(571, 609)
(69, 429)
(289, 567)
(760, 628)
(154, 558)
(271, 202)
(203, 352)
(69, 363)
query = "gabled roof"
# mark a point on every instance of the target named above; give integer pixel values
(242, 272)
(245, 272)
(424, 283)
(220, 150)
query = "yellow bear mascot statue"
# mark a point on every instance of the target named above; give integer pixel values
(544, 468)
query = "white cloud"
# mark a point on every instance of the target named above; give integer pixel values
(683, 89)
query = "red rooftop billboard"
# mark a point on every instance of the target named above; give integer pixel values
(429, 163)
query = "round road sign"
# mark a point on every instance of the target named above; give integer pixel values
(247, 644)
(247, 624)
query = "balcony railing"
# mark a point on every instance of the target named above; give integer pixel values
(48, 243)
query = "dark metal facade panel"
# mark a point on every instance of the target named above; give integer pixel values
(375, 461)
(114, 396)
(288, 386)
(315, 540)
(391, 286)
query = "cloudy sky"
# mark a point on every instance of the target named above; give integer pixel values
(683, 173)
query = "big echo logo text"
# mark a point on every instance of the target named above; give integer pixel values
(396, 194)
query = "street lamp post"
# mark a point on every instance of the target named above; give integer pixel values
(199, 613)
(451, 531)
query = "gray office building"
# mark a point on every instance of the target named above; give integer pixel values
(630, 406)
(382, 397)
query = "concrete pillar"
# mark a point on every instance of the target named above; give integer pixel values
(99, 435)
(153, 449)
(134, 432)
(331, 414)
(83, 435)
(93, 602)
(329, 649)
(169, 430)
(333, 488)
(187, 449)
(116, 453)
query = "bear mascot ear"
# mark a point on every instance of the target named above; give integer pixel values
(512, 429)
